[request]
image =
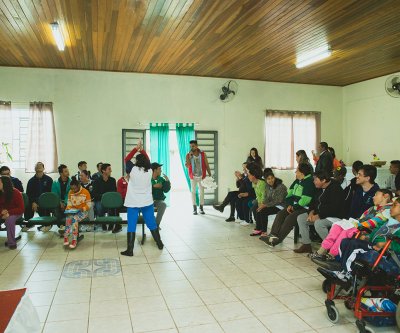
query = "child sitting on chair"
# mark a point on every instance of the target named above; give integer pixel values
(77, 209)
(372, 218)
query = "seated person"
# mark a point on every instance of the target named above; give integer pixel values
(256, 177)
(82, 165)
(326, 205)
(275, 194)
(299, 197)
(87, 184)
(78, 199)
(5, 171)
(102, 185)
(37, 185)
(368, 249)
(245, 197)
(351, 188)
(232, 196)
(254, 204)
(160, 185)
(11, 208)
(61, 188)
(339, 174)
(393, 183)
(363, 195)
(372, 218)
(98, 174)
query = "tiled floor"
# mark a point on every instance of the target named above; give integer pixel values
(210, 277)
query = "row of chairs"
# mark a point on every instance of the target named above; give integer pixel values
(49, 203)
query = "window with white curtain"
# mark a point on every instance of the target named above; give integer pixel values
(287, 132)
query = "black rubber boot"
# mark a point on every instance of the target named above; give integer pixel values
(131, 243)
(201, 210)
(194, 210)
(157, 238)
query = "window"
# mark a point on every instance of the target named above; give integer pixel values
(15, 134)
(287, 132)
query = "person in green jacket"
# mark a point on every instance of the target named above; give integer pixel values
(298, 198)
(160, 185)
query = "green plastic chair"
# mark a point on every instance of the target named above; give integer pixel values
(112, 202)
(49, 202)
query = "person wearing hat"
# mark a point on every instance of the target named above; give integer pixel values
(160, 185)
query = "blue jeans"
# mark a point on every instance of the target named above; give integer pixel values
(148, 215)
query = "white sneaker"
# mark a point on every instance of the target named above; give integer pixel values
(244, 223)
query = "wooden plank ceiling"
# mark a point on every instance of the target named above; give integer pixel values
(247, 39)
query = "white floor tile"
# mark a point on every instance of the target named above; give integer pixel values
(110, 324)
(229, 311)
(68, 326)
(152, 321)
(194, 316)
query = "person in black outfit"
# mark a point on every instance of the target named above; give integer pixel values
(5, 171)
(351, 188)
(82, 166)
(254, 157)
(232, 196)
(245, 196)
(38, 184)
(325, 160)
(102, 185)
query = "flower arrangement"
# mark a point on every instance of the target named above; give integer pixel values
(209, 183)
(375, 157)
(377, 161)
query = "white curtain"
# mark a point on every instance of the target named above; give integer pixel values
(286, 133)
(6, 126)
(42, 145)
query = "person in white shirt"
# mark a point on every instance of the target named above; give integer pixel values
(139, 198)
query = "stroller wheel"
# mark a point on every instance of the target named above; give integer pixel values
(362, 328)
(333, 314)
(326, 286)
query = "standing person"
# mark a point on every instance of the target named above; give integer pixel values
(87, 184)
(139, 198)
(335, 162)
(160, 185)
(82, 165)
(98, 174)
(122, 185)
(275, 194)
(11, 208)
(78, 199)
(5, 171)
(61, 188)
(299, 197)
(37, 185)
(325, 159)
(102, 185)
(326, 206)
(255, 158)
(197, 163)
(364, 194)
(232, 196)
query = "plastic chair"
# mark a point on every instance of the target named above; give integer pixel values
(112, 202)
(48, 202)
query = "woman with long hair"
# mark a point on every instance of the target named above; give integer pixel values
(11, 208)
(301, 157)
(139, 198)
(255, 158)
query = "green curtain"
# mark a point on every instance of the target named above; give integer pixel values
(159, 148)
(185, 133)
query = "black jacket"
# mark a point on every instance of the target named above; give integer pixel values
(362, 201)
(100, 187)
(329, 202)
(247, 187)
(36, 186)
(17, 184)
(325, 162)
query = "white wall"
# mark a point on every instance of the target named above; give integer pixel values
(102, 103)
(371, 122)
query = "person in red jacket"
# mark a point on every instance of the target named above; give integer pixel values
(11, 208)
(197, 164)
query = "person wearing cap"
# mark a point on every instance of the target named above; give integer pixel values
(160, 185)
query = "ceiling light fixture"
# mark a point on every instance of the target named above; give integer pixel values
(311, 57)
(55, 28)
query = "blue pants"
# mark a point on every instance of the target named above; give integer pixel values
(148, 215)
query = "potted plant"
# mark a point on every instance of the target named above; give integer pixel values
(5, 152)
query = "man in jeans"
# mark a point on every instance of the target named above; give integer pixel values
(197, 163)
(102, 185)
(328, 203)
(160, 185)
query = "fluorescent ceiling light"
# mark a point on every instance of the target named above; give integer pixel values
(311, 57)
(55, 28)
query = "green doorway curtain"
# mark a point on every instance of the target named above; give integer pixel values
(159, 148)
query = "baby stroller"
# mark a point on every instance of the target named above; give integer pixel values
(369, 283)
